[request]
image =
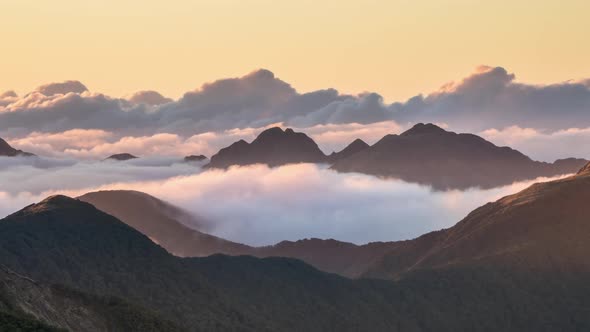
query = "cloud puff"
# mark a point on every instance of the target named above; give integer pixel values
(492, 98)
(152, 98)
(62, 88)
(488, 98)
(7, 98)
(260, 205)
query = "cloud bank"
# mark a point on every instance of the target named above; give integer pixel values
(95, 144)
(258, 205)
(488, 98)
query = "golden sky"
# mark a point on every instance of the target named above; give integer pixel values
(395, 47)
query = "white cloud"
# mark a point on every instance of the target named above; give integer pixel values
(260, 205)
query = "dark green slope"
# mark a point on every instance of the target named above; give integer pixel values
(62, 240)
(27, 305)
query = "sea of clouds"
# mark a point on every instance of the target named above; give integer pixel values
(257, 205)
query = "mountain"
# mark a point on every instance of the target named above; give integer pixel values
(544, 227)
(356, 146)
(162, 222)
(66, 241)
(27, 305)
(343, 258)
(183, 234)
(430, 155)
(273, 147)
(121, 157)
(8, 151)
(194, 158)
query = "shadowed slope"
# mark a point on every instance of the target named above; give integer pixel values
(545, 226)
(163, 223)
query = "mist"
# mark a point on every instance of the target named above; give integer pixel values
(258, 205)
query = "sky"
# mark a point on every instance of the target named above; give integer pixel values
(397, 48)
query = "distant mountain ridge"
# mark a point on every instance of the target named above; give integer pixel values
(424, 154)
(273, 147)
(121, 157)
(430, 155)
(8, 151)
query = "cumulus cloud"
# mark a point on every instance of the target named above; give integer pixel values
(260, 205)
(491, 97)
(152, 98)
(7, 98)
(63, 88)
(488, 98)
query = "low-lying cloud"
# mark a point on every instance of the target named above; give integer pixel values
(95, 144)
(543, 145)
(258, 205)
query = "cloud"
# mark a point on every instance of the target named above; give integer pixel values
(543, 145)
(491, 98)
(260, 205)
(63, 88)
(335, 137)
(7, 98)
(88, 144)
(152, 98)
(488, 98)
(37, 175)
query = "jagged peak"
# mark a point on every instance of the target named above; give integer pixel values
(358, 142)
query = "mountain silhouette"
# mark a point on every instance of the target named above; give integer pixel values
(121, 157)
(354, 147)
(8, 151)
(195, 158)
(162, 222)
(429, 155)
(273, 147)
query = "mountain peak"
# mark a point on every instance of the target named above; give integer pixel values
(55, 202)
(121, 157)
(8, 151)
(423, 129)
(359, 142)
(274, 146)
(356, 146)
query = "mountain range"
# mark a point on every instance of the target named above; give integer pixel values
(516, 264)
(425, 154)
(185, 235)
